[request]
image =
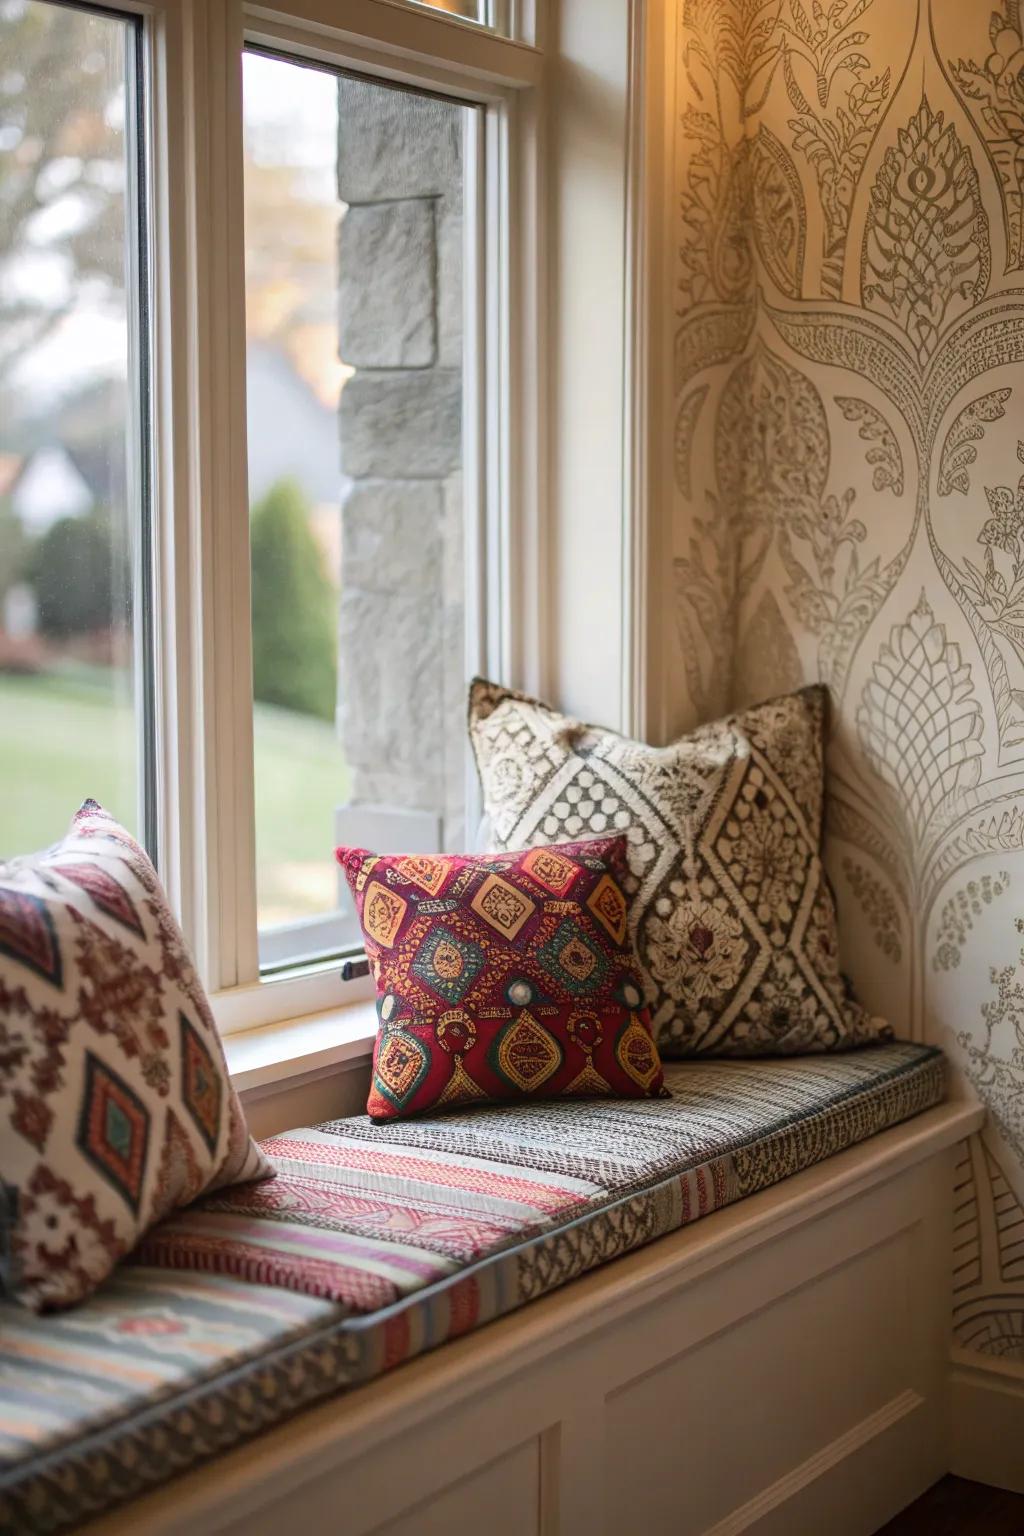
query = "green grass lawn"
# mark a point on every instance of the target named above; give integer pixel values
(69, 735)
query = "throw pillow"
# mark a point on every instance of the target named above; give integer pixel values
(115, 1101)
(502, 977)
(731, 911)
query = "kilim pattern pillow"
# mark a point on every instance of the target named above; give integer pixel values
(115, 1101)
(502, 977)
(731, 911)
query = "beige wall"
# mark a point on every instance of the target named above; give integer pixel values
(847, 323)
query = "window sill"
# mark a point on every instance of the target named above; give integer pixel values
(261, 1060)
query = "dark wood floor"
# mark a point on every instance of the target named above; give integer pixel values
(955, 1507)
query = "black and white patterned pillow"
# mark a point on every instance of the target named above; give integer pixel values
(733, 919)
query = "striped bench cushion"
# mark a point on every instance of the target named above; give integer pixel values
(377, 1242)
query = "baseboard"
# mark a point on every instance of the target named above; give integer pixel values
(987, 1404)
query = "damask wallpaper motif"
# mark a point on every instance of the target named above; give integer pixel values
(849, 495)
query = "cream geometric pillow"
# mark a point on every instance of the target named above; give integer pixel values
(732, 915)
(115, 1100)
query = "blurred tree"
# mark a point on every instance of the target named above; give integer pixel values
(294, 607)
(61, 165)
(72, 571)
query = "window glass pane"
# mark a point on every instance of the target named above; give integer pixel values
(472, 10)
(72, 532)
(354, 217)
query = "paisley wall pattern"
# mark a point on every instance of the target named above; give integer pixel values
(848, 418)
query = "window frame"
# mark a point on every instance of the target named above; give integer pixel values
(203, 669)
(139, 478)
(566, 172)
(140, 231)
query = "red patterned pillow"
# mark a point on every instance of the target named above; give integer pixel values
(502, 976)
(115, 1100)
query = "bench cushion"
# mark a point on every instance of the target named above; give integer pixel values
(380, 1242)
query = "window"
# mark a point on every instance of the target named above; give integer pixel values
(354, 303)
(257, 391)
(501, 15)
(76, 688)
(470, 10)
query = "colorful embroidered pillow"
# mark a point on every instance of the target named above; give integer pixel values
(731, 912)
(115, 1100)
(502, 977)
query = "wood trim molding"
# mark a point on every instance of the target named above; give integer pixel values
(637, 351)
(646, 400)
(832, 1455)
(647, 352)
(987, 1411)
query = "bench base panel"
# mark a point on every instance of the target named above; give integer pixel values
(780, 1368)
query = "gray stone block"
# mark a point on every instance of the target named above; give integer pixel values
(392, 144)
(409, 792)
(401, 647)
(392, 536)
(387, 286)
(386, 828)
(449, 290)
(390, 698)
(402, 426)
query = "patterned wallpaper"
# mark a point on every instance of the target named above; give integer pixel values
(848, 419)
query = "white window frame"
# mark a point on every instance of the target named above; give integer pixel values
(566, 461)
(206, 828)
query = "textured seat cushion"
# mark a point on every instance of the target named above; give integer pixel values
(731, 911)
(377, 1242)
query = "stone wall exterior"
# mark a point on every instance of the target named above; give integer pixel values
(401, 708)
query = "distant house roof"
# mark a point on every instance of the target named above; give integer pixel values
(102, 464)
(291, 432)
(50, 486)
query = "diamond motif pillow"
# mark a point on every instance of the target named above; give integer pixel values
(115, 1101)
(502, 976)
(731, 911)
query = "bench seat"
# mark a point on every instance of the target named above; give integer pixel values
(376, 1243)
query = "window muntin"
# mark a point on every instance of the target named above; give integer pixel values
(76, 692)
(354, 238)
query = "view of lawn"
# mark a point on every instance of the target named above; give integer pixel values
(301, 779)
(65, 736)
